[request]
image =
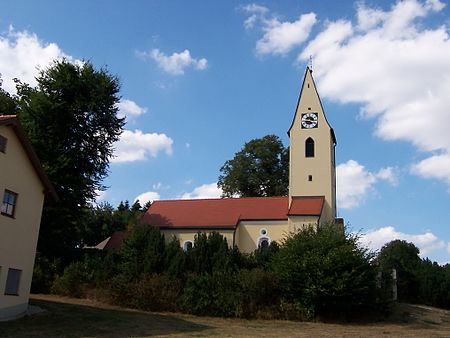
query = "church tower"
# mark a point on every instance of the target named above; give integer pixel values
(312, 169)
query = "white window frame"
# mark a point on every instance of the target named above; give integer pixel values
(185, 243)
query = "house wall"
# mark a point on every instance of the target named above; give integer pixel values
(248, 233)
(189, 235)
(297, 223)
(18, 235)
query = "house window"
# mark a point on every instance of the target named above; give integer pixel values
(188, 245)
(309, 147)
(13, 282)
(3, 141)
(9, 203)
(310, 178)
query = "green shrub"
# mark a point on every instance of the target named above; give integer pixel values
(73, 281)
(213, 295)
(143, 252)
(325, 272)
(44, 274)
(260, 293)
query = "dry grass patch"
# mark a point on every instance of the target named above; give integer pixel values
(67, 317)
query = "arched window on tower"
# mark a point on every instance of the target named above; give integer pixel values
(309, 147)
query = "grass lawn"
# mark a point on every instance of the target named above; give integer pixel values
(66, 317)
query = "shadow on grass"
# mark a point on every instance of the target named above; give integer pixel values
(71, 320)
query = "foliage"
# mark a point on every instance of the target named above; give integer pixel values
(44, 273)
(71, 120)
(214, 294)
(73, 281)
(404, 257)
(156, 292)
(143, 252)
(325, 272)
(260, 168)
(8, 103)
(211, 253)
(260, 293)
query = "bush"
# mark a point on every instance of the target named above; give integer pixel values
(73, 281)
(143, 252)
(213, 295)
(260, 294)
(325, 272)
(44, 274)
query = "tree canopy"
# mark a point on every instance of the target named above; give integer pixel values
(260, 168)
(71, 120)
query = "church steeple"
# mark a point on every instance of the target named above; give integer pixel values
(312, 169)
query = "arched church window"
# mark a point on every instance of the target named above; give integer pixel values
(309, 147)
(263, 244)
(187, 245)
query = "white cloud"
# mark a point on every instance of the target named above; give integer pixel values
(281, 37)
(426, 242)
(204, 191)
(148, 196)
(177, 63)
(22, 54)
(354, 182)
(448, 247)
(388, 174)
(256, 11)
(437, 166)
(397, 69)
(128, 108)
(136, 146)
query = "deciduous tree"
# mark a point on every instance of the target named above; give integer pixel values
(260, 168)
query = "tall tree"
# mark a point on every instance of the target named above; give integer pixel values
(404, 257)
(260, 168)
(71, 120)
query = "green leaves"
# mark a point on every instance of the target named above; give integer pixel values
(261, 168)
(325, 271)
(71, 119)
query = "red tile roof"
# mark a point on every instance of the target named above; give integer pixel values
(306, 206)
(116, 239)
(226, 213)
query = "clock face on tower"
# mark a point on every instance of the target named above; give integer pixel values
(309, 120)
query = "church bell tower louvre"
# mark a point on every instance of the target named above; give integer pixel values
(312, 168)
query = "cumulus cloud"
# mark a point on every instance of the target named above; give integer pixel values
(128, 108)
(148, 196)
(280, 37)
(177, 63)
(22, 54)
(426, 242)
(204, 191)
(437, 166)
(397, 69)
(136, 146)
(354, 182)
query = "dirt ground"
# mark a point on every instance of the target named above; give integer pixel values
(67, 317)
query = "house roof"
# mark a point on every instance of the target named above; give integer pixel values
(115, 241)
(226, 213)
(13, 122)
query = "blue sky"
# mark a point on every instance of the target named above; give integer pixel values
(201, 78)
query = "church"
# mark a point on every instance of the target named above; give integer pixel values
(254, 222)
